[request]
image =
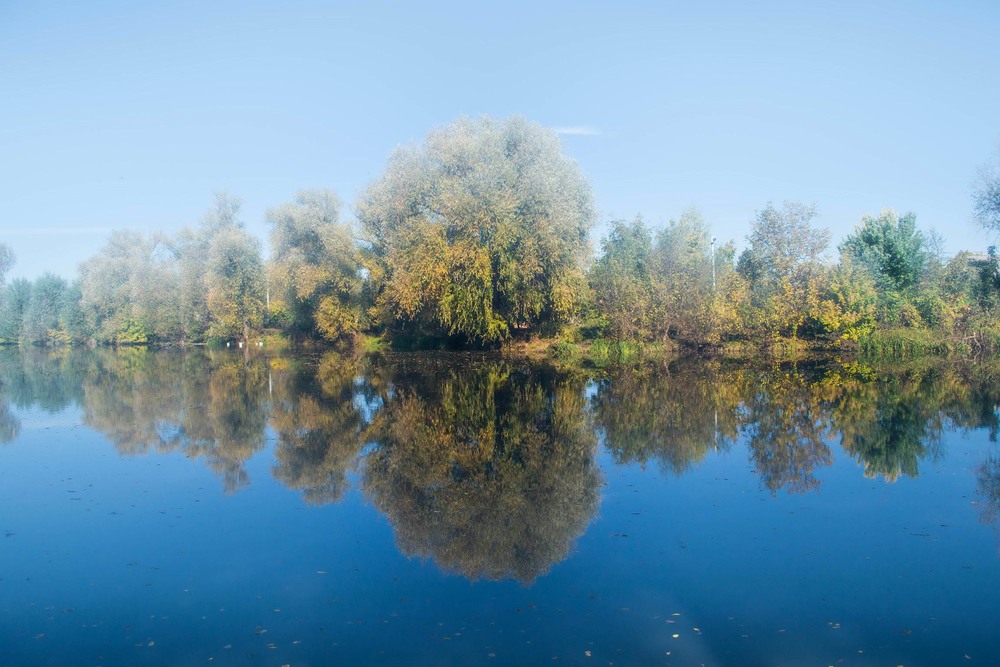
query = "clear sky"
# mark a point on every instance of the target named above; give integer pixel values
(131, 114)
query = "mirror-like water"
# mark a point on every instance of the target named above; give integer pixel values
(209, 508)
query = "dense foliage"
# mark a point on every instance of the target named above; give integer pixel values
(479, 235)
(316, 285)
(480, 231)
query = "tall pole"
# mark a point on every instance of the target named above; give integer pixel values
(713, 264)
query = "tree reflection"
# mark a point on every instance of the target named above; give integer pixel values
(887, 419)
(207, 405)
(674, 415)
(318, 425)
(787, 425)
(974, 397)
(988, 489)
(888, 425)
(49, 380)
(486, 465)
(892, 419)
(10, 426)
(42, 378)
(488, 469)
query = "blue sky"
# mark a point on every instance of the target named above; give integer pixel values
(124, 114)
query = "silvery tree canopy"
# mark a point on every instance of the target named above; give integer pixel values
(480, 230)
(986, 196)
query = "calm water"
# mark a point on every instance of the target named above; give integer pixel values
(203, 508)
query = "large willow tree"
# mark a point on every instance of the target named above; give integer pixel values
(479, 231)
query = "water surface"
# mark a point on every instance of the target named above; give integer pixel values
(212, 508)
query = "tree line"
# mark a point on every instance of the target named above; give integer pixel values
(480, 235)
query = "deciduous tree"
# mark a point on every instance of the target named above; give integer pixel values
(986, 197)
(12, 306)
(782, 264)
(315, 268)
(6, 261)
(479, 231)
(235, 283)
(623, 281)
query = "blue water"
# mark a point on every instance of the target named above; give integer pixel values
(155, 558)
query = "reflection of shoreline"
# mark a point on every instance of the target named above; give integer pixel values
(207, 405)
(888, 423)
(473, 456)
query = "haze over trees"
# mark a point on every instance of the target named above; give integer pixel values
(479, 236)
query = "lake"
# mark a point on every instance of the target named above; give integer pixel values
(211, 508)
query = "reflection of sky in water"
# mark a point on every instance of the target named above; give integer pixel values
(35, 419)
(142, 560)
